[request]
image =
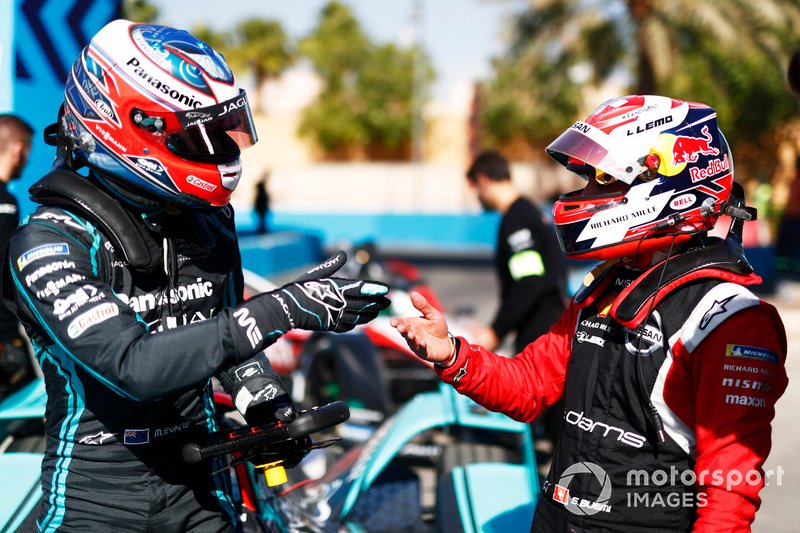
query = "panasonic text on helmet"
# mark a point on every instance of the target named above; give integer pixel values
(186, 100)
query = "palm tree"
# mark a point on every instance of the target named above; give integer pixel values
(729, 54)
(139, 11)
(648, 38)
(337, 46)
(260, 47)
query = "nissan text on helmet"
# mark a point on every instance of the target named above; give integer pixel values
(675, 160)
(157, 111)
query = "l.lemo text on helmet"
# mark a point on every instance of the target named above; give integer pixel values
(650, 125)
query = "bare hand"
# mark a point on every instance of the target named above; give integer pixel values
(426, 335)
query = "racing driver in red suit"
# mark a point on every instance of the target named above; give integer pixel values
(668, 365)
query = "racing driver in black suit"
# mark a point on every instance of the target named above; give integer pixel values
(128, 280)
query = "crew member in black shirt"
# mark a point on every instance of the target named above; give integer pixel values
(16, 365)
(531, 275)
(528, 260)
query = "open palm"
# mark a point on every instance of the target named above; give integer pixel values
(426, 335)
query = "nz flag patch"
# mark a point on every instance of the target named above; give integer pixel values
(136, 436)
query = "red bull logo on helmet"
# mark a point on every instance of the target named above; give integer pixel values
(687, 149)
(714, 167)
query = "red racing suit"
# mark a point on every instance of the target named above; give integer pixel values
(708, 356)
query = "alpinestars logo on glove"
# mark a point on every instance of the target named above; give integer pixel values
(329, 296)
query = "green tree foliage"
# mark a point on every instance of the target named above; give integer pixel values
(730, 55)
(386, 87)
(263, 47)
(519, 109)
(258, 46)
(139, 11)
(365, 107)
(337, 46)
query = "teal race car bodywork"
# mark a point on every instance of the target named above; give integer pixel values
(21, 444)
(440, 463)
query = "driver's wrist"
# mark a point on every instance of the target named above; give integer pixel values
(453, 353)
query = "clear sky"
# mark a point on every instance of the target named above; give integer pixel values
(461, 36)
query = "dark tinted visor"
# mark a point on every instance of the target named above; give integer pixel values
(214, 134)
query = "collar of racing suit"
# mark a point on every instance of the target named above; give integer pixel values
(65, 189)
(704, 258)
(136, 234)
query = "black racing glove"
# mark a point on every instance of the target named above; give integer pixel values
(313, 302)
(317, 302)
(261, 397)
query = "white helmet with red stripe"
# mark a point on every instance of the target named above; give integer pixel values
(667, 168)
(156, 111)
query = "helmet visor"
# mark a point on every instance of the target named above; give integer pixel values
(592, 146)
(214, 134)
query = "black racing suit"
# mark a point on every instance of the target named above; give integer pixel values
(9, 220)
(127, 356)
(16, 367)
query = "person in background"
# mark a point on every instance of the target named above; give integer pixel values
(16, 364)
(128, 280)
(669, 366)
(528, 261)
(261, 205)
(531, 274)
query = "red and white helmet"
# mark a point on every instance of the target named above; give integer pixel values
(670, 153)
(158, 112)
